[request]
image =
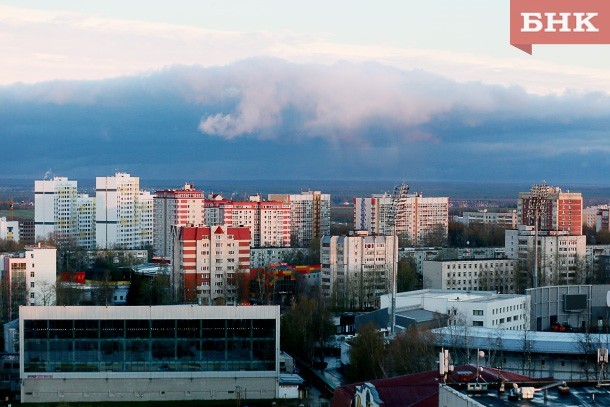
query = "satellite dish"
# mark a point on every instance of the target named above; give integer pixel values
(608, 299)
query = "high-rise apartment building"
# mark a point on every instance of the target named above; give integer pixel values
(556, 210)
(419, 220)
(357, 269)
(590, 215)
(208, 261)
(548, 240)
(123, 213)
(269, 221)
(374, 214)
(507, 219)
(309, 215)
(55, 209)
(561, 256)
(175, 207)
(85, 214)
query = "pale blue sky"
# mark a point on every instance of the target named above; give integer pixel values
(466, 40)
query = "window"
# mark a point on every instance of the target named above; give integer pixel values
(32, 274)
(31, 295)
(477, 323)
(477, 312)
(32, 284)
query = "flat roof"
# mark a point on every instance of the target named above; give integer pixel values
(456, 295)
(581, 394)
(155, 312)
(513, 340)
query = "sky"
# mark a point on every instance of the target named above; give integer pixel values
(232, 89)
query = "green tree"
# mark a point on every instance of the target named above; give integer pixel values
(314, 251)
(404, 240)
(407, 278)
(411, 351)
(435, 237)
(10, 246)
(149, 290)
(305, 328)
(367, 355)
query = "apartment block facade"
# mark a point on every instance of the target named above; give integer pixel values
(124, 214)
(85, 215)
(175, 207)
(29, 279)
(309, 215)
(561, 256)
(55, 206)
(357, 269)
(208, 261)
(9, 230)
(506, 219)
(471, 275)
(374, 214)
(558, 211)
(417, 220)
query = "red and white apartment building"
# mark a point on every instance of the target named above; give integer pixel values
(207, 262)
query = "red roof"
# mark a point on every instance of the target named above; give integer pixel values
(419, 389)
(199, 232)
(194, 233)
(240, 233)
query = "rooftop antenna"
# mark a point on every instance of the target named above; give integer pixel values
(444, 364)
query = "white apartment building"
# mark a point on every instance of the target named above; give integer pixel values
(55, 209)
(269, 222)
(471, 275)
(30, 278)
(410, 216)
(213, 209)
(9, 230)
(175, 207)
(484, 216)
(561, 256)
(123, 214)
(262, 256)
(146, 220)
(481, 309)
(357, 269)
(590, 213)
(374, 214)
(309, 215)
(207, 262)
(85, 214)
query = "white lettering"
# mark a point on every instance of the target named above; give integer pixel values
(531, 22)
(551, 22)
(580, 22)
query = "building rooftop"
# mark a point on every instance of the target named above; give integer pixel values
(456, 295)
(513, 341)
(580, 394)
(420, 389)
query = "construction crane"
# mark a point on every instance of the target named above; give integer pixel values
(11, 207)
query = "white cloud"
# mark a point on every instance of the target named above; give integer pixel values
(46, 45)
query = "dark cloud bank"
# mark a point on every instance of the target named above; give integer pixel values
(270, 119)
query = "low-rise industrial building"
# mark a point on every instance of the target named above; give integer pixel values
(480, 308)
(142, 353)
